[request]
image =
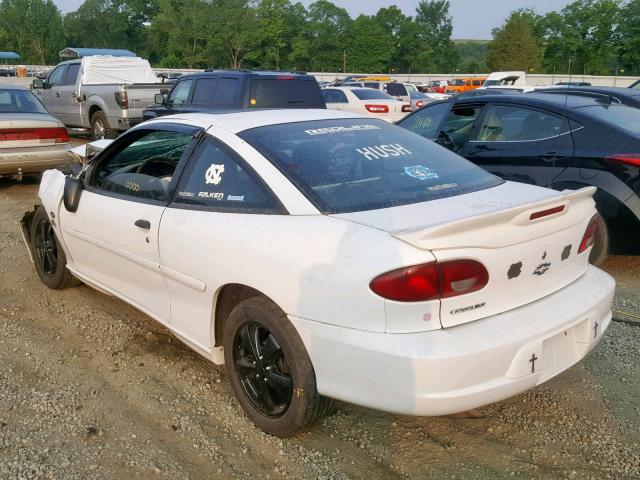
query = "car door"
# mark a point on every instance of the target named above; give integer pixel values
(218, 211)
(113, 236)
(521, 143)
(67, 96)
(49, 95)
(204, 93)
(179, 98)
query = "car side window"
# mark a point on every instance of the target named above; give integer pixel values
(461, 121)
(180, 93)
(204, 91)
(57, 76)
(396, 89)
(144, 168)
(218, 178)
(519, 124)
(227, 92)
(72, 74)
(334, 96)
(426, 122)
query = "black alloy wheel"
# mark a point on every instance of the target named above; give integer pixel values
(46, 248)
(263, 370)
(270, 370)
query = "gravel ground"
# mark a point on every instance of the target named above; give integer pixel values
(91, 388)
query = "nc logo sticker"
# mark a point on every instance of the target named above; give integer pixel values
(213, 175)
(420, 172)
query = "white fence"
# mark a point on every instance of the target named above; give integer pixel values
(533, 80)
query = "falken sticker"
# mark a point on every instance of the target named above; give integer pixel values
(352, 128)
(420, 172)
(383, 151)
(235, 198)
(213, 195)
(213, 175)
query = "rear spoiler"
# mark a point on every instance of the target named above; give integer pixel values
(84, 153)
(480, 230)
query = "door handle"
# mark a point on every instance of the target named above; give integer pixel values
(143, 224)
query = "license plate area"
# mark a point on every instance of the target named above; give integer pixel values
(559, 351)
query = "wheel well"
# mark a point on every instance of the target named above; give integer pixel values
(92, 110)
(230, 295)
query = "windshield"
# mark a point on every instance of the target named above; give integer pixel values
(20, 101)
(371, 94)
(623, 116)
(458, 83)
(361, 164)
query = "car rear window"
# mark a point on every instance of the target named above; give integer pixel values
(286, 93)
(370, 94)
(623, 116)
(20, 101)
(352, 165)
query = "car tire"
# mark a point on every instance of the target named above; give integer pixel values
(600, 248)
(48, 256)
(100, 126)
(286, 402)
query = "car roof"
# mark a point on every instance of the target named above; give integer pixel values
(540, 99)
(247, 73)
(10, 86)
(620, 91)
(237, 121)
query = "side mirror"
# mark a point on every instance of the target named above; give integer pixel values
(160, 98)
(37, 83)
(72, 193)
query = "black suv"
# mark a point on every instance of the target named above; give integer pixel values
(223, 90)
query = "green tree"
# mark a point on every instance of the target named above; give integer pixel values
(629, 37)
(472, 54)
(396, 24)
(233, 32)
(514, 45)
(278, 22)
(179, 33)
(434, 48)
(370, 46)
(327, 29)
(110, 24)
(582, 37)
(33, 28)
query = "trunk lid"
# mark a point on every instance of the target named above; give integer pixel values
(526, 258)
(20, 128)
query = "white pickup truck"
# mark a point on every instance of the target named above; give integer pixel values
(102, 93)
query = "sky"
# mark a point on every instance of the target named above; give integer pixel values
(472, 19)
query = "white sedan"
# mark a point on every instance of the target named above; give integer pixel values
(366, 101)
(322, 255)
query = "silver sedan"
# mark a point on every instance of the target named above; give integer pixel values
(31, 140)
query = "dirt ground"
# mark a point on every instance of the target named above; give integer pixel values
(92, 389)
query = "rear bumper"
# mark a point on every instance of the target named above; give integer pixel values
(452, 370)
(34, 160)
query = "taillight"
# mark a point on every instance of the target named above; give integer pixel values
(407, 108)
(628, 158)
(589, 234)
(122, 99)
(431, 281)
(377, 108)
(419, 104)
(60, 135)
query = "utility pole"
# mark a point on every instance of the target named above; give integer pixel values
(344, 62)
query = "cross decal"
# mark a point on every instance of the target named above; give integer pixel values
(595, 330)
(532, 360)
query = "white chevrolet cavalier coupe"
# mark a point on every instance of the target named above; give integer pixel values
(320, 254)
